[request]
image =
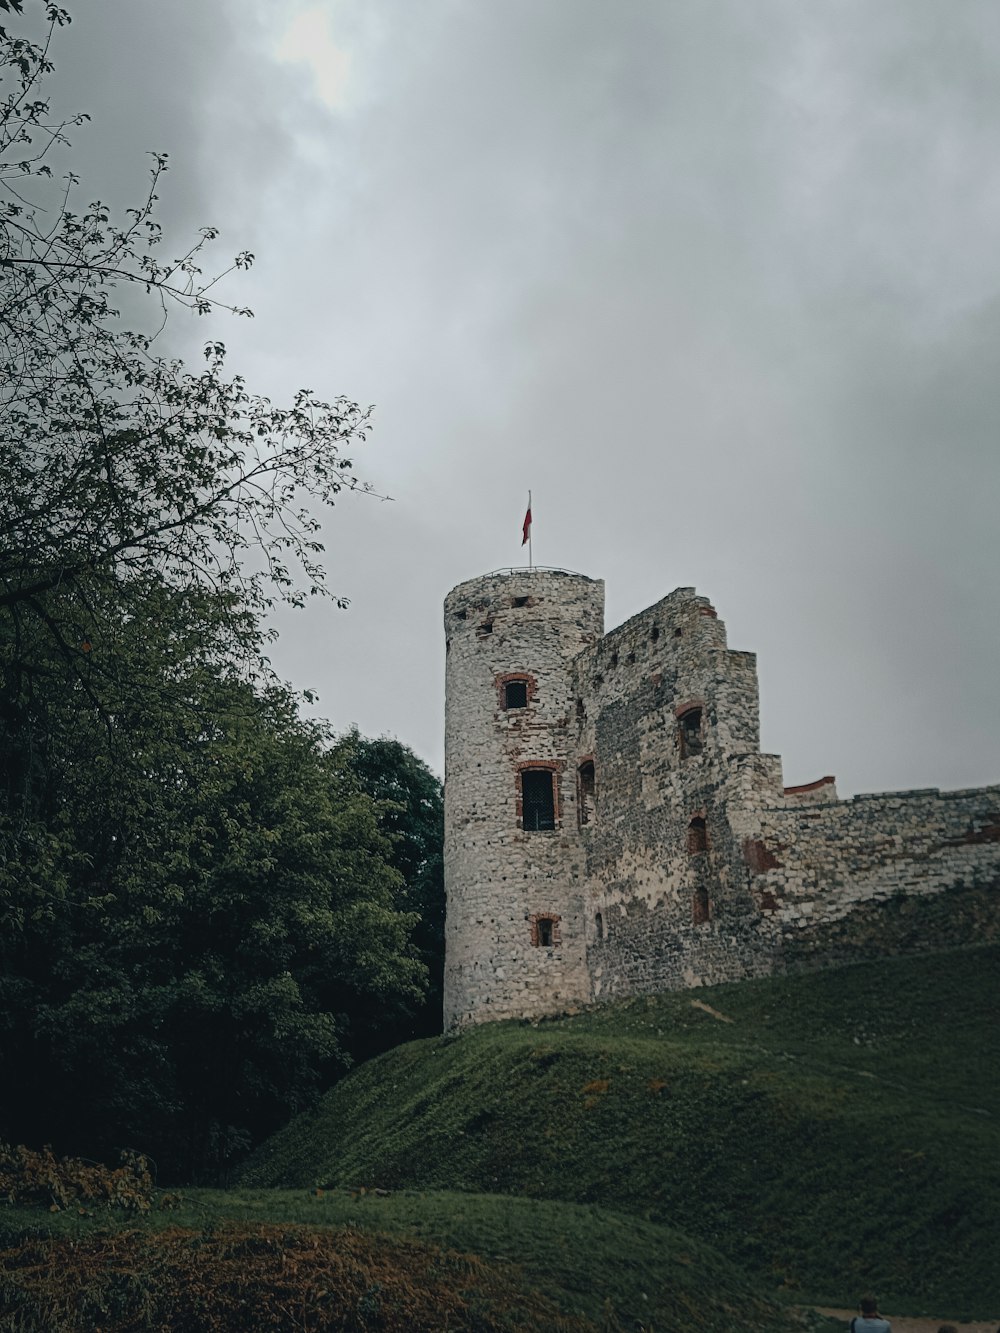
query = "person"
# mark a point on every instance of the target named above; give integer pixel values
(869, 1321)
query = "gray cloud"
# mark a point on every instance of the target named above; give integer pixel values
(717, 281)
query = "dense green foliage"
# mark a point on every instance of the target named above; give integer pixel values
(410, 808)
(838, 1133)
(200, 926)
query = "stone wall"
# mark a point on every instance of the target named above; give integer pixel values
(815, 865)
(503, 882)
(668, 901)
(677, 858)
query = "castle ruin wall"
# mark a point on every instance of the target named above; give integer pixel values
(675, 857)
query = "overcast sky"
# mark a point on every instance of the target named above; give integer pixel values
(716, 279)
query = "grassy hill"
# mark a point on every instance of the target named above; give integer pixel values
(826, 1133)
(236, 1259)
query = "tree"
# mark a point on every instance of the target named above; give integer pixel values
(200, 923)
(202, 928)
(409, 803)
(120, 465)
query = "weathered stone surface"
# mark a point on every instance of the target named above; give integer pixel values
(679, 859)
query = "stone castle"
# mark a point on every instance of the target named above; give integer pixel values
(611, 827)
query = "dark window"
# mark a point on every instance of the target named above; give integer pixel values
(581, 708)
(701, 908)
(515, 694)
(485, 628)
(614, 659)
(599, 923)
(654, 633)
(519, 601)
(697, 836)
(538, 811)
(545, 930)
(690, 732)
(587, 792)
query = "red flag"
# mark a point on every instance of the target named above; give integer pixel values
(526, 530)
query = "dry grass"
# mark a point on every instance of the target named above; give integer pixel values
(238, 1278)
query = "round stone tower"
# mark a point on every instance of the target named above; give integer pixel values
(514, 934)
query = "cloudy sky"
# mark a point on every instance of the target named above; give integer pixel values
(716, 279)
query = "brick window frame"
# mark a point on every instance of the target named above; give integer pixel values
(552, 766)
(537, 921)
(515, 677)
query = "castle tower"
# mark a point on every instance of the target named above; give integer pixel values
(514, 932)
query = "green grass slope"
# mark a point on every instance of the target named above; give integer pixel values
(836, 1133)
(614, 1269)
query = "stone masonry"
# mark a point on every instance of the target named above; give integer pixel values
(611, 827)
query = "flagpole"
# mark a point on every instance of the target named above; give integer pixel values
(530, 525)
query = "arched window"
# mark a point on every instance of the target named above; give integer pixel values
(697, 836)
(538, 799)
(586, 792)
(701, 907)
(689, 732)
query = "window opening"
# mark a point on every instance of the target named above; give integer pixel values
(515, 694)
(599, 923)
(690, 732)
(654, 633)
(545, 930)
(485, 628)
(701, 908)
(519, 601)
(697, 836)
(587, 792)
(538, 809)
